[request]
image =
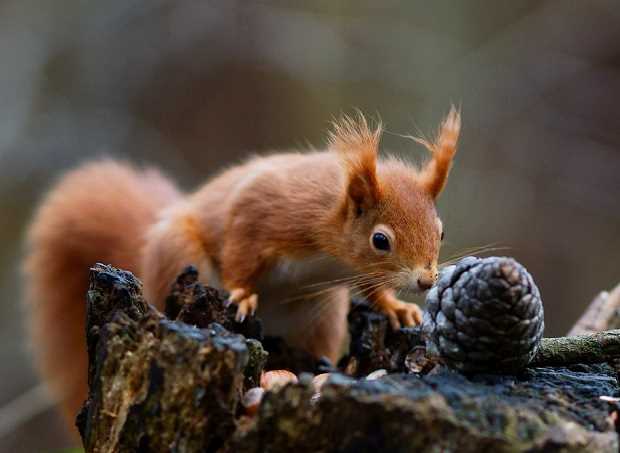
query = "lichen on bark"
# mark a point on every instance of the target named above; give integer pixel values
(158, 384)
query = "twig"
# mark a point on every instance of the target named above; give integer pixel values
(595, 347)
(603, 313)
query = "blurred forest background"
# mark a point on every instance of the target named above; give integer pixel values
(195, 85)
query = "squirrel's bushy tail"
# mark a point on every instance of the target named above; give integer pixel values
(97, 213)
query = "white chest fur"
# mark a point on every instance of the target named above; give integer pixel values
(291, 276)
(294, 292)
(314, 270)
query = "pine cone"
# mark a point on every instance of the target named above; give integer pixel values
(484, 315)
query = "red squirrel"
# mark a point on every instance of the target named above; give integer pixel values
(288, 235)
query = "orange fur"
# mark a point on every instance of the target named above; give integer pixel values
(97, 213)
(358, 145)
(268, 230)
(443, 148)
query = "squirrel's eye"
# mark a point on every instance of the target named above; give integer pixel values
(442, 235)
(381, 242)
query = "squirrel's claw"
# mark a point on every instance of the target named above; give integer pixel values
(402, 313)
(246, 303)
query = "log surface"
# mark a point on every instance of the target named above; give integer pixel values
(543, 410)
(155, 384)
(158, 384)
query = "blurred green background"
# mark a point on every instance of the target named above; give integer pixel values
(192, 86)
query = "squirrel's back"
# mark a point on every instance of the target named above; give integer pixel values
(97, 213)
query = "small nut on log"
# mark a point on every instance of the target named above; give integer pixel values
(484, 315)
(251, 400)
(272, 380)
(319, 380)
(418, 362)
(317, 383)
(376, 374)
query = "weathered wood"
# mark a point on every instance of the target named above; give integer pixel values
(163, 385)
(155, 384)
(598, 347)
(603, 313)
(374, 346)
(543, 410)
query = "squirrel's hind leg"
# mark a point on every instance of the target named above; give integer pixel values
(173, 244)
(326, 330)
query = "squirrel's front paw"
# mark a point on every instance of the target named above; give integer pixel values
(246, 303)
(401, 313)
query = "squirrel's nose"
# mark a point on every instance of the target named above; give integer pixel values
(425, 283)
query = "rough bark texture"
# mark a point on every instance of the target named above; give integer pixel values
(163, 385)
(374, 345)
(542, 410)
(155, 384)
(592, 348)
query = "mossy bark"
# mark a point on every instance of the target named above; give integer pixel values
(590, 348)
(542, 410)
(158, 384)
(155, 384)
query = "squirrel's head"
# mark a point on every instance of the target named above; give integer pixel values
(391, 228)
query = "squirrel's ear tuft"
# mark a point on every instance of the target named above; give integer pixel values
(357, 143)
(434, 174)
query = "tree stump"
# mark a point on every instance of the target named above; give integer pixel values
(161, 384)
